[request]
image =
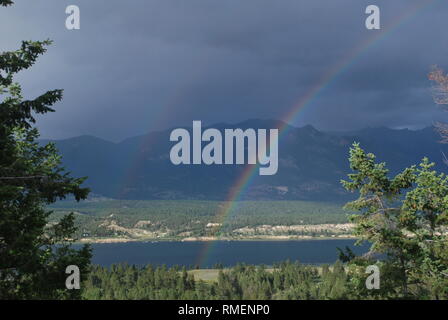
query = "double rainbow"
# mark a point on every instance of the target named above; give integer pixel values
(244, 180)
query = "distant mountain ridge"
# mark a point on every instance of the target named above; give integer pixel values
(311, 164)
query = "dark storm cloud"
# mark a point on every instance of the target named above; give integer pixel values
(139, 65)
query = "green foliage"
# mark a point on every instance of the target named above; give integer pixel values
(286, 280)
(193, 216)
(5, 3)
(31, 178)
(405, 218)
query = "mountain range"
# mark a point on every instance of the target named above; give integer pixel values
(311, 164)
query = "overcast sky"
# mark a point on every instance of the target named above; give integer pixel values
(142, 65)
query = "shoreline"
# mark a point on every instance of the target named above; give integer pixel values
(212, 239)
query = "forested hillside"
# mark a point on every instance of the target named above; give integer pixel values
(160, 219)
(284, 281)
(311, 164)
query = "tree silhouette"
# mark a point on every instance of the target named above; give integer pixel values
(33, 253)
(440, 95)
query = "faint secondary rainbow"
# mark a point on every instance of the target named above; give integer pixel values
(138, 160)
(244, 180)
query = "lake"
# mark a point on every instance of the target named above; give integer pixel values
(228, 253)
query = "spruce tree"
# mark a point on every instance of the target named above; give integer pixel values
(404, 217)
(33, 254)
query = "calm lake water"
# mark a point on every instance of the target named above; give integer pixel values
(228, 253)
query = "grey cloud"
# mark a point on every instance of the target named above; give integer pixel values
(137, 66)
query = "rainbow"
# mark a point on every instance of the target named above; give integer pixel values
(244, 180)
(136, 162)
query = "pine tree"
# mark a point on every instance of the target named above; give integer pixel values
(31, 177)
(405, 217)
